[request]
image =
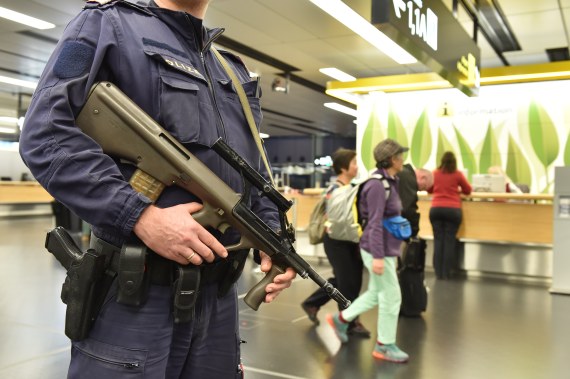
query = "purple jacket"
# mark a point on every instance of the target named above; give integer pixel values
(373, 206)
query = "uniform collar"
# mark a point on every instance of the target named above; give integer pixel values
(190, 27)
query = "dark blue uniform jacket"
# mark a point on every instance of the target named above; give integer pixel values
(161, 59)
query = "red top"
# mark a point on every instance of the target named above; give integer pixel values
(446, 188)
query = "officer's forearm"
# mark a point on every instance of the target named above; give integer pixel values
(125, 131)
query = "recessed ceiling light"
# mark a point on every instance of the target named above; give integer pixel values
(341, 108)
(8, 130)
(18, 82)
(25, 19)
(337, 74)
(355, 22)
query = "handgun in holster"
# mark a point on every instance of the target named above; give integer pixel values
(86, 284)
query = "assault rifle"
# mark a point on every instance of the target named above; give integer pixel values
(125, 131)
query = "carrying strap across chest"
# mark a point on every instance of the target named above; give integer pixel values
(246, 109)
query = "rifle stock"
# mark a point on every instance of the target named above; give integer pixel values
(125, 131)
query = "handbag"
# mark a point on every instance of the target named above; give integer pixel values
(398, 226)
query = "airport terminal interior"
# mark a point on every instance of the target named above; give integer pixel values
(484, 79)
(473, 327)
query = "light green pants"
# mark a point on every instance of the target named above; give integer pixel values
(383, 291)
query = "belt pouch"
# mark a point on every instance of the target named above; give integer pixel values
(133, 279)
(186, 292)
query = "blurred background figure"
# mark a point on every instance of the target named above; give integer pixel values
(510, 186)
(344, 256)
(380, 250)
(412, 181)
(445, 214)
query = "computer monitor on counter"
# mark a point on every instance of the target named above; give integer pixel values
(489, 183)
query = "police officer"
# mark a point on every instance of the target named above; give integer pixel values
(158, 53)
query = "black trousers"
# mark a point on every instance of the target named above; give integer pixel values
(445, 223)
(346, 262)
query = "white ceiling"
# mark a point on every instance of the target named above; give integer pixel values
(294, 32)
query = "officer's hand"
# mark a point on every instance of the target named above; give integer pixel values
(280, 282)
(378, 266)
(174, 234)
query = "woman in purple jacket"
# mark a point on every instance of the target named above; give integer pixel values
(379, 250)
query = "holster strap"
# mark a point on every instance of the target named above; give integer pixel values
(111, 252)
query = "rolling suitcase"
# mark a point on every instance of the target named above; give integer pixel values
(411, 277)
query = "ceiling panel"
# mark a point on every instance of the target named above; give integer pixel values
(514, 7)
(532, 42)
(297, 33)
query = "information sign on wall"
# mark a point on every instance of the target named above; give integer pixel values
(428, 31)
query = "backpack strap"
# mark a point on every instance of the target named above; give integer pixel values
(362, 221)
(385, 183)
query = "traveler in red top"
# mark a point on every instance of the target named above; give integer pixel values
(445, 213)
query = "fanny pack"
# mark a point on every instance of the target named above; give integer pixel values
(398, 226)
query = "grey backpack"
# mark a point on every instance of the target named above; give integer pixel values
(342, 210)
(317, 222)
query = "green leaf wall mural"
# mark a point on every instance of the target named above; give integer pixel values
(420, 149)
(396, 130)
(443, 145)
(525, 137)
(490, 154)
(518, 169)
(567, 152)
(543, 138)
(372, 135)
(467, 156)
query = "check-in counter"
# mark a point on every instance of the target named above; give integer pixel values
(501, 233)
(303, 205)
(24, 198)
(499, 217)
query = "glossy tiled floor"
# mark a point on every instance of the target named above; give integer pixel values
(474, 328)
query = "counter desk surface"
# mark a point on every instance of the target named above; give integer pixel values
(499, 217)
(487, 217)
(23, 193)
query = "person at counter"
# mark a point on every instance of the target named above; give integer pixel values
(344, 256)
(412, 181)
(445, 214)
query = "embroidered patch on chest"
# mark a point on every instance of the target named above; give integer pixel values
(165, 52)
(183, 67)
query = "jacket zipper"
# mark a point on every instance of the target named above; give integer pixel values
(208, 77)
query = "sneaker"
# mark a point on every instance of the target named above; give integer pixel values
(311, 313)
(356, 329)
(338, 326)
(390, 353)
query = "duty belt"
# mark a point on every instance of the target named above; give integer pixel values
(162, 271)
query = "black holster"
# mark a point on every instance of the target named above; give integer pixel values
(83, 293)
(86, 285)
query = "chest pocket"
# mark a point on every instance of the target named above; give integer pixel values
(232, 103)
(185, 107)
(183, 114)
